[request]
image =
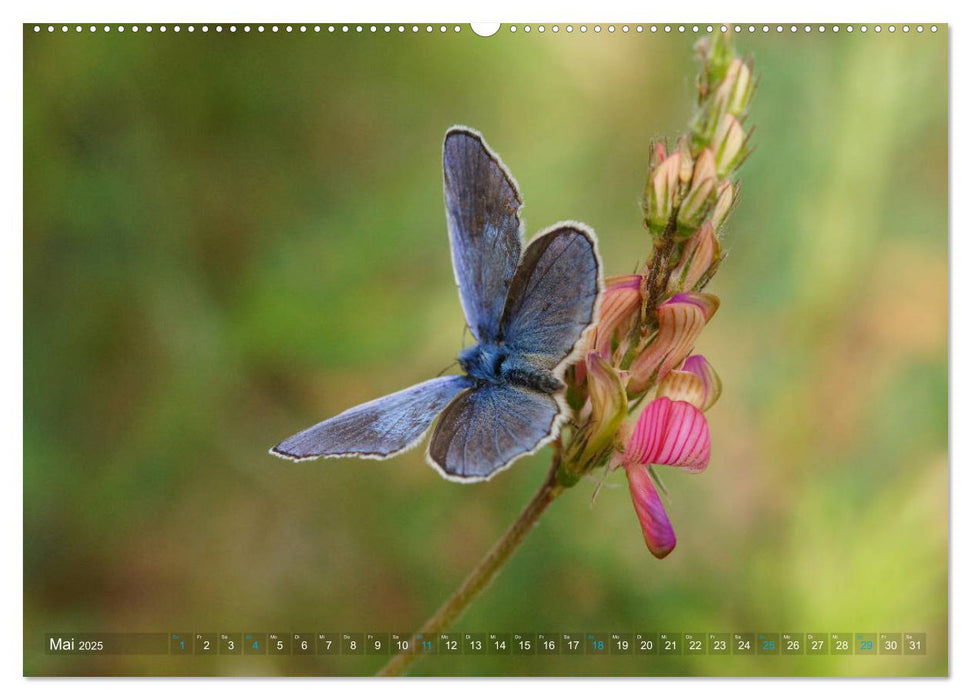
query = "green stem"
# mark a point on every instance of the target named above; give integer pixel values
(483, 573)
(656, 282)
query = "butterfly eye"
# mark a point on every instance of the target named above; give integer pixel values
(498, 362)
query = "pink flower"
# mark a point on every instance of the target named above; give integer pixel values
(696, 382)
(710, 381)
(680, 321)
(619, 309)
(672, 433)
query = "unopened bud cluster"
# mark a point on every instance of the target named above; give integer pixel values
(692, 183)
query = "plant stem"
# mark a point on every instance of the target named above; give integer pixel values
(483, 573)
(656, 282)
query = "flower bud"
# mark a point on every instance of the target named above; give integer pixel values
(723, 204)
(729, 145)
(687, 164)
(658, 154)
(718, 55)
(662, 193)
(707, 119)
(737, 87)
(698, 200)
(701, 252)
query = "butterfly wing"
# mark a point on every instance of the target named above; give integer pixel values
(377, 429)
(483, 430)
(553, 296)
(482, 206)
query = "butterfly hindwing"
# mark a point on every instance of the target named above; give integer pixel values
(486, 428)
(379, 428)
(482, 204)
(553, 296)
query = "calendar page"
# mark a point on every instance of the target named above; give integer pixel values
(526, 349)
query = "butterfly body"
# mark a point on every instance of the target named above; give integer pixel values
(528, 311)
(497, 363)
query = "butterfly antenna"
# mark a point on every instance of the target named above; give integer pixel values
(447, 368)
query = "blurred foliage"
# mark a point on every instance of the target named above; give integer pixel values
(229, 237)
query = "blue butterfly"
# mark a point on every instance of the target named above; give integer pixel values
(527, 312)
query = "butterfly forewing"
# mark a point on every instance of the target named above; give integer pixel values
(482, 206)
(485, 429)
(553, 296)
(379, 428)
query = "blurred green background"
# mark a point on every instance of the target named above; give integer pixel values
(228, 237)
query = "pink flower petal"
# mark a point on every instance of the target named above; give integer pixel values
(700, 367)
(679, 326)
(646, 436)
(673, 433)
(708, 303)
(679, 385)
(619, 307)
(658, 533)
(686, 441)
